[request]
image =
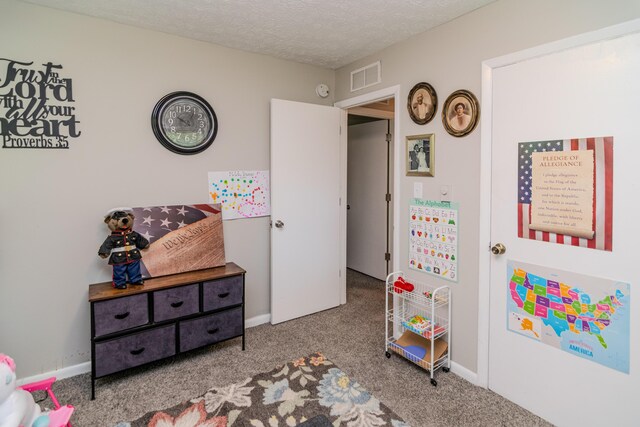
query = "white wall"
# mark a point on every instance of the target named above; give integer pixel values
(449, 58)
(366, 187)
(53, 201)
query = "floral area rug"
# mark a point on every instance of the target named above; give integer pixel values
(308, 391)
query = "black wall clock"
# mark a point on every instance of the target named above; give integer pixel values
(184, 123)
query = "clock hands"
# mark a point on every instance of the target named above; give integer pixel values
(184, 122)
(188, 123)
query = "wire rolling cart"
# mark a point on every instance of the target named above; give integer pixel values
(422, 346)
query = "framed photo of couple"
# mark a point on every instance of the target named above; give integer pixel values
(420, 151)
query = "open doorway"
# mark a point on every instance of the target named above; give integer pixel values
(369, 187)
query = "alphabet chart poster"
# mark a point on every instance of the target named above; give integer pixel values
(433, 238)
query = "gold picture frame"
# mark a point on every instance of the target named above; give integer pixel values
(420, 152)
(460, 113)
(422, 103)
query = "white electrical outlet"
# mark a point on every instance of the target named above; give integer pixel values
(445, 193)
(417, 190)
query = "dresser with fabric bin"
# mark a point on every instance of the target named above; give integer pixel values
(167, 316)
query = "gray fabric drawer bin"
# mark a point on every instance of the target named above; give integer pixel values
(222, 293)
(135, 350)
(120, 313)
(175, 302)
(210, 329)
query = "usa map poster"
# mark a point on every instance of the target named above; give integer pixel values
(243, 194)
(433, 238)
(581, 315)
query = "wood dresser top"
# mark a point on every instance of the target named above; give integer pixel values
(104, 291)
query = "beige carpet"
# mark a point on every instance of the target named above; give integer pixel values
(352, 336)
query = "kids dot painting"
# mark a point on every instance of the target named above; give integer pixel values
(243, 194)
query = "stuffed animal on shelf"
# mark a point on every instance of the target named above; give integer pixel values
(17, 407)
(123, 247)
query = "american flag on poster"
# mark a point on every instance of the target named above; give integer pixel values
(603, 191)
(153, 222)
(183, 238)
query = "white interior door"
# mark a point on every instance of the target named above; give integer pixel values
(366, 189)
(550, 366)
(305, 209)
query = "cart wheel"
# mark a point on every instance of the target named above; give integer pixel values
(445, 369)
(386, 353)
(434, 382)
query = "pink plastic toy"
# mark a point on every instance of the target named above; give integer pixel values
(17, 407)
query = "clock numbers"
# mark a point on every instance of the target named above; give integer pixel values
(184, 123)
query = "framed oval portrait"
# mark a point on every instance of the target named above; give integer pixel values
(460, 113)
(422, 103)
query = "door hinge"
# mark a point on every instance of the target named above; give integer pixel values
(340, 130)
(387, 197)
(387, 256)
(339, 201)
(339, 273)
(388, 137)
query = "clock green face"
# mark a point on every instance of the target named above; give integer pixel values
(184, 123)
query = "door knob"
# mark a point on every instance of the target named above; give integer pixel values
(279, 224)
(498, 249)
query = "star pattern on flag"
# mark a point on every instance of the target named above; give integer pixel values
(160, 220)
(147, 220)
(526, 149)
(147, 236)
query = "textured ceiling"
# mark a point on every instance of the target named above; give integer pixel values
(326, 33)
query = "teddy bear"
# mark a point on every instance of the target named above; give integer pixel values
(123, 247)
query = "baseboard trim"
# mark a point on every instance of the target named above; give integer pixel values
(463, 372)
(83, 368)
(66, 372)
(257, 320)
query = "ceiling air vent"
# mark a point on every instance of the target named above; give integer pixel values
(365, 76)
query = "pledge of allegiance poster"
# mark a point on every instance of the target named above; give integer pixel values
(433, 238)
(565, 192)
(585, 316)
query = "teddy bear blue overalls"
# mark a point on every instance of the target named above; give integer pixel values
(124, 246)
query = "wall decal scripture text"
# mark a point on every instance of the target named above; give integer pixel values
(34, 106)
